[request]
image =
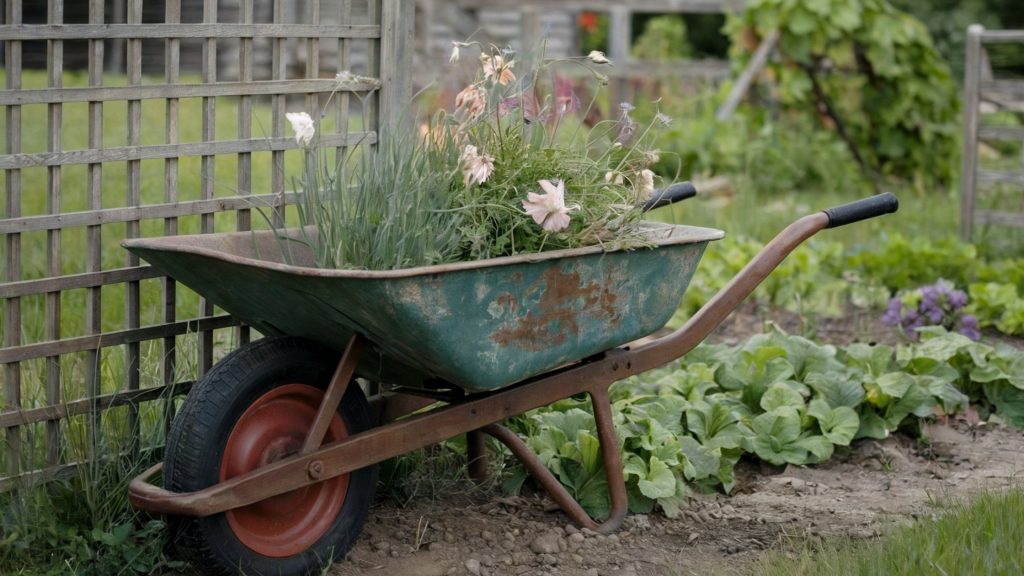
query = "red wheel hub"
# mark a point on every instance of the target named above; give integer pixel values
(272, 428)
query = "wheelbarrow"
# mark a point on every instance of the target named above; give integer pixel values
(270, 464)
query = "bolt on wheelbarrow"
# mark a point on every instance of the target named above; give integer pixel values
(270, 463)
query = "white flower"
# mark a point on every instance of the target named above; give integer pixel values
(476, 168)
(346, 80)
(303, 126)
(646, 183)
(652, 156)
(613, 177)
(548, 209)
(456, 46)
(598, 57)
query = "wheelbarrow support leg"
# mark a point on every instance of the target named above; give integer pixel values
(333, 395)
(476, 455)
(561, 496)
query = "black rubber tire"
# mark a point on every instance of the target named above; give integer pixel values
(195, 446)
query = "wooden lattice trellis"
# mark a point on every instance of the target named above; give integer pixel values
(62, 268)
(981, 87)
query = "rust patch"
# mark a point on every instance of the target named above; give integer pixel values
(554, 319)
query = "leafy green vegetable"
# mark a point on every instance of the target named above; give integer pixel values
(781, 398)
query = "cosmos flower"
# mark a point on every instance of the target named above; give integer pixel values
(303, 126)
(548, 209)
(476, 167)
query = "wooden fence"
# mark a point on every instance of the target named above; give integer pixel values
(95, 342)
(983, 90)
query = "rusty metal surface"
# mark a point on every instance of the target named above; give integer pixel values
(478, 325)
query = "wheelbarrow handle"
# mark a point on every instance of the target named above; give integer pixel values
(673, 346)
(670, 195)
(862, 209)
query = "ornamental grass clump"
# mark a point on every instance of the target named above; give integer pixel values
(510, 169)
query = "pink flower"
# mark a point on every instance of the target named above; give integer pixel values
(548, 209)
(496, 67)
(476, 168)
(472, 99)
(526, 100)
(566, 101)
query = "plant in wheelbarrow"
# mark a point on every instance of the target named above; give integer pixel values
(494, 262)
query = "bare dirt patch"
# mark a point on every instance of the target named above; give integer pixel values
(861, 492)
(856, 495)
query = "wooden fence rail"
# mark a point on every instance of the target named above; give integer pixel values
(92, 158)
(980, 88)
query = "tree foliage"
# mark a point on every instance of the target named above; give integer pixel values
(866, 70)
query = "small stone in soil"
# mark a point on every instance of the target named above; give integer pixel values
(548, 559)
(473, 566)
(547, 543)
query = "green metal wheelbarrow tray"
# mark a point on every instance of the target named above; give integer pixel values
(269, 466)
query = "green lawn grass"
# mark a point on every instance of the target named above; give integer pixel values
(984, 535)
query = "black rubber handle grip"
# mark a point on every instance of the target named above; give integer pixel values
(670, 195)
(862, 209)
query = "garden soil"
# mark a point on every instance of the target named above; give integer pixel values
(859, 494)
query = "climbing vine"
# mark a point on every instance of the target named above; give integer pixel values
(865, 70)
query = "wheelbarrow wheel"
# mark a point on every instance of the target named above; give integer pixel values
(253, 408)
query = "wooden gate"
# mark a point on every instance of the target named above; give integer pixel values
(96, 344)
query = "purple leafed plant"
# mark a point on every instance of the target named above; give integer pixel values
(939, 304)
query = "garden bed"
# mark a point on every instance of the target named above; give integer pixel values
(859, 493)
(856, 495)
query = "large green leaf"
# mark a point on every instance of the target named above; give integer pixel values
(916, 400)
(838, 425)
(775, 434)
(779, 395)
(818, 446)
(673, 504)
(872, 425)
(895, 384)
(837, 388)
(701, 461)
(1009, 402)
(658, 482)
(871, 360)
(715, 425)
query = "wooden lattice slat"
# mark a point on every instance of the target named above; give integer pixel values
(168, 287)
(42, 388)
(55, 77)
(12, 244)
